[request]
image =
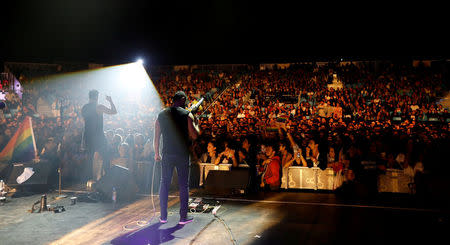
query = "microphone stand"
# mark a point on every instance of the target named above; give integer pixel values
(60, 196)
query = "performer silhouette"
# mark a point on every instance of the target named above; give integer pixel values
(177, 127)
(94, 137)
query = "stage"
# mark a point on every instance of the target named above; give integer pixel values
(290, 217)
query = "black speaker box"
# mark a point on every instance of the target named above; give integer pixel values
(5, 169)
(144, 175)
(37, 182)
(40, 177)
(122, 180)
(219, 181)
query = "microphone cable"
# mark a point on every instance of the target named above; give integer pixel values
(233, 240)
(216, 217)
(142, 223)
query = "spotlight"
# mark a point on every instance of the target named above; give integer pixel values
(140, 61)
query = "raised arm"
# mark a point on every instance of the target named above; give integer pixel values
(233, 158)
(288, 161)
(291, 140)
(106, 110)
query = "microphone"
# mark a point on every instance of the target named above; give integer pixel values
(196, 106)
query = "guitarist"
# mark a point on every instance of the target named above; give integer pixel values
(178, 128)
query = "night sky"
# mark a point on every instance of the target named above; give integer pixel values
(226, 31)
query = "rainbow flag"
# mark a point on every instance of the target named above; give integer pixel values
(22, 146)
(271, 129)
(282, 118)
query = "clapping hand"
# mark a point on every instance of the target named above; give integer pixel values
(229, 153)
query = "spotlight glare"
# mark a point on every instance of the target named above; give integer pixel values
(140, 61)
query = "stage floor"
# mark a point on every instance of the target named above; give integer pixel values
(265, 218)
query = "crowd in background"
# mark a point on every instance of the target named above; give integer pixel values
(383, 118)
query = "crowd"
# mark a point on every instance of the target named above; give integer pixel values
(383, 118)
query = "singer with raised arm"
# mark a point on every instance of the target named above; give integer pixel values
(178, 128)
(93, 135)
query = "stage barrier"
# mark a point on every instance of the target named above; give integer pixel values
(394, 181)
(308, 178)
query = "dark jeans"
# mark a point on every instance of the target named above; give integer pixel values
(168, 163)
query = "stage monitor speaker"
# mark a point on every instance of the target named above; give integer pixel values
(122, 180)
(5, 169)
(230, 182)
(37, 182)
(144, 175)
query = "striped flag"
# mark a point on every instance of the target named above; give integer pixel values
(282, 118)
(271, 129)
(22, 146)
